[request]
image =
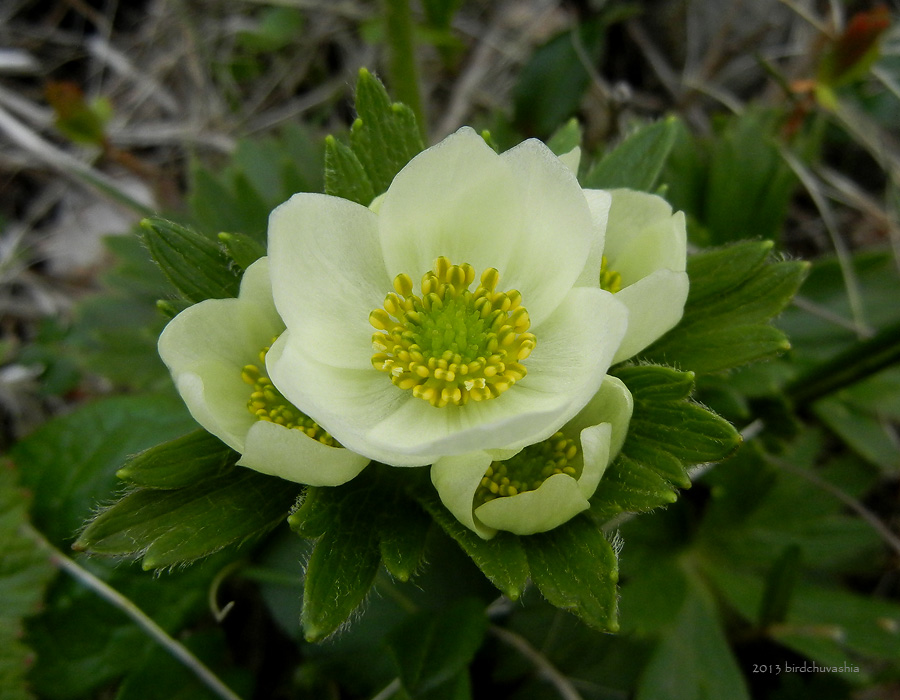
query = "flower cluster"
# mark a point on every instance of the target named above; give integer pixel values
(466, 320)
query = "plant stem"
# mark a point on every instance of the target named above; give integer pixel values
(401, 57)
(546, 670)
(858, 362)
(144, 621)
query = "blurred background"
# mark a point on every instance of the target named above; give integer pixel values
(213, 112)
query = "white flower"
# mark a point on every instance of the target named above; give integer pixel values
(543, 485)
(407, 375)
(213, 351)
(645, 254)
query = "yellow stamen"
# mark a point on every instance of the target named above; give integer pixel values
(527, 470)
(451, 345)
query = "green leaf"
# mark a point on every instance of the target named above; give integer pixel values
(24, 573)
(749, 184)
(780, 584)
(725, 317)
(576, 569)
(345, 559)
(385, 137)
(668, 432)
(432, 649)
(344, 174)
(502, 559)
(629, 486)
(181, 462)
(84, 645)
(175, 526)
(637, 162)
(69, 463)
(244, 250)
(196, 267)
(693, 660)
(551, 84)
(403, 535)
(566, 137)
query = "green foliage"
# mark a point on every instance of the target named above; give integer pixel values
(735, 185)
(576, 569)
(85, 647)
(502, 559)
(344, 175)
(197, 267)
(172, 526)
(384, 138)
(355, 526)
(667, 434)
(69, 463)
(565, 138)
(734, 293)
(433, 651)
(262, 174)
(692, 659)
(552, 83)
(637, 162)
(24, 574)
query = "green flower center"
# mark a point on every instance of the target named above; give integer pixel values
(268, 404)
(610, 280)
(450, 344)
(529, 469)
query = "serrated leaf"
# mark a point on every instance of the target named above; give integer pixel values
(345, 559)
(69, 463)
(676, 426)
(725, 319)
(637, 162)
(656, 383)
(181, 462)
(24, 573)
(385, 137)
(177, 526)
(686, 430)
(630, 487)
(403, 533)
(196, 267)
(718, 270)
(244, 250)
(502, 559)
(576, 569)
(344, 175)
(431, 649)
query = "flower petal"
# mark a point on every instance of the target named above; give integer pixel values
(643, 235)
(456, 199)
(293, 455)
(456, 480)
(327, 276)
(599, 202)
(556, 501)
(655, 305)
(595, 449)
(367, 414)
(572, 160)
(612, 404)
(556, 229)
(522, 213)
(206, 346)
(345, 402)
